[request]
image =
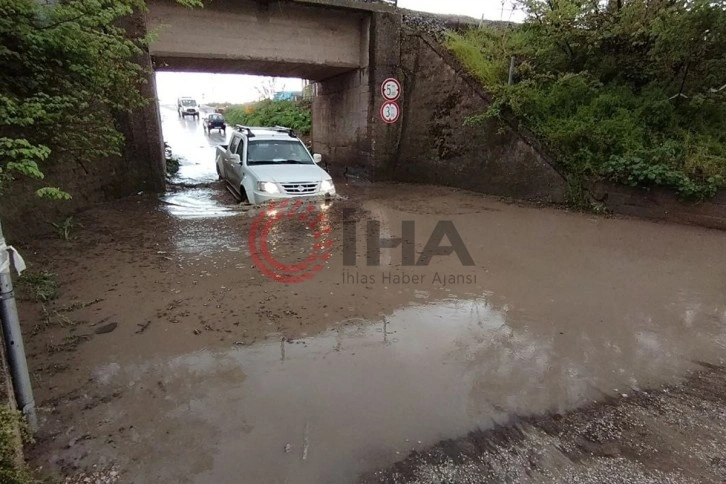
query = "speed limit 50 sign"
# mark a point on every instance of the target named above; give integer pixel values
(390, 89)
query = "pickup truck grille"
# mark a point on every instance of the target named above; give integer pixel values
(300, 188)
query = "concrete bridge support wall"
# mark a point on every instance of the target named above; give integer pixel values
(340, 121)
(347, 128)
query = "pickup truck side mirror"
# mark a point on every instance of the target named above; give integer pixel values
(317, 158)
(235, 158)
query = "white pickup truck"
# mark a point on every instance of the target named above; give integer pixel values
(263, 164)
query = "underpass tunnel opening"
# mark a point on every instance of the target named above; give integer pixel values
(327, 43)
(199, 110)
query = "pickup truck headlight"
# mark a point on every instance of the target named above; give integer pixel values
(326, 185)
(267, 187)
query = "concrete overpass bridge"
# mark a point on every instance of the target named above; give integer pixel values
(307, 39)
(348, 48)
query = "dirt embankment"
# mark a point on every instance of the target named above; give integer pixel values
(672, 434)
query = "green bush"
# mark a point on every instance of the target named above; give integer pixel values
(629, 93)
(292, 114)
(172, 165)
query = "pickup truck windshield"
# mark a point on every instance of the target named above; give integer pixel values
(188, 102)
(272, 152)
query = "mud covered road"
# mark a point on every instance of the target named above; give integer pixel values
(170, 358)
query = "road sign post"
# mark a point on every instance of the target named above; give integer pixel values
(13, 336)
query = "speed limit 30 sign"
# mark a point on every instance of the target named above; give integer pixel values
(390, 89)
(390, 111)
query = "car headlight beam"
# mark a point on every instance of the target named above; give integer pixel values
(326, 185)
(267, 187)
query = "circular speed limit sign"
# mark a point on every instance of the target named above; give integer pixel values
(391, 89)
(390, 112)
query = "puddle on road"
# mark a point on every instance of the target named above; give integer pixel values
(198, 172)
(326, 408)
(200, 203)
(203, 229)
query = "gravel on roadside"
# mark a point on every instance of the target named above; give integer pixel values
(672, 434)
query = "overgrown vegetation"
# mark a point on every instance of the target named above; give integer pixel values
(11, 471)
(632, 91)
(66, 69)
(292, 114)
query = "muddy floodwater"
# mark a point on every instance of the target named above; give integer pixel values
(215, 372)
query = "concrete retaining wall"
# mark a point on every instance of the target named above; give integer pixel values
(662, 204)
(89, 183)
(435, 145)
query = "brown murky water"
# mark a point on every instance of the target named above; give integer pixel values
(216, 373)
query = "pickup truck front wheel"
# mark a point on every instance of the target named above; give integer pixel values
(244, 199)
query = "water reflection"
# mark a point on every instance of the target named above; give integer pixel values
(197, 203)
(368, 392)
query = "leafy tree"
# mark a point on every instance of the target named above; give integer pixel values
(65, 71)
(629, 90)
(292, 114)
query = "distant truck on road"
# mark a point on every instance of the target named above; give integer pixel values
(187, 106)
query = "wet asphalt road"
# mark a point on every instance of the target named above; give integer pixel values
(191, 144)
(238, 378)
